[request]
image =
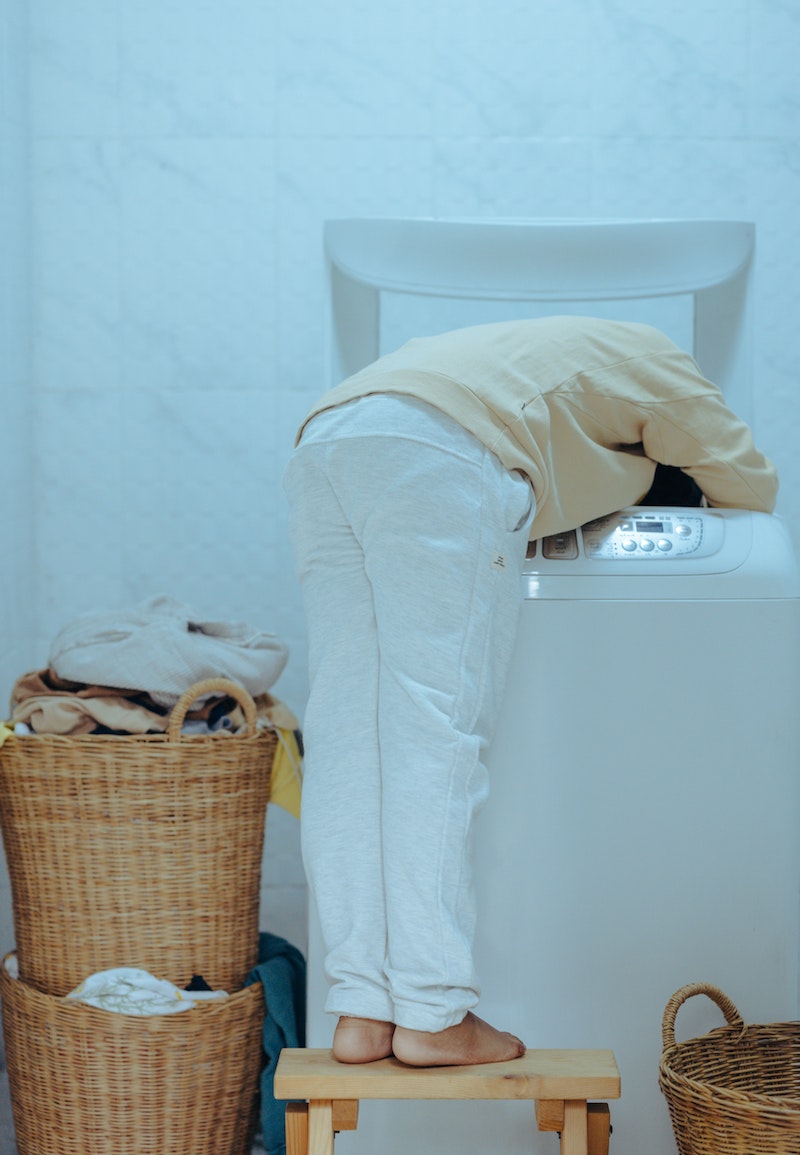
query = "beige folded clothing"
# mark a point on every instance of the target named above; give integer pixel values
(163, 647)
(53, 705)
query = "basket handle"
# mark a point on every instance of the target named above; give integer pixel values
(732, 1016)
(211, 685)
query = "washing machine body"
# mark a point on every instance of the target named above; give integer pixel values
(642, 826)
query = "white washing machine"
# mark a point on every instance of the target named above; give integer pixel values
(642, 828)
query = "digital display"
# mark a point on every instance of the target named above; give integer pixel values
(650, 526)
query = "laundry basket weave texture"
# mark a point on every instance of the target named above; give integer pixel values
(137, 850)
(91, 1082)
(736, 1090)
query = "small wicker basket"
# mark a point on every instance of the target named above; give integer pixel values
(137, 850)
(90, 1082)
(736, 1090)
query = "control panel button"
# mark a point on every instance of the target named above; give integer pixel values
(664, 544)
(628, 544)
(561, 545)
(647, 544)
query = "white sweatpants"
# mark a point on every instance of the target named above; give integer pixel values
(409, 537)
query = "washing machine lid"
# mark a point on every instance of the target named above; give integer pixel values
(651, 552)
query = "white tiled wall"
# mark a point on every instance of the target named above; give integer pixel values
(183, 157)
(16, 397)
(16, 407)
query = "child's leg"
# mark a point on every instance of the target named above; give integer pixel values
(438, 518)
(341, 791)
(447, 600)
(423, 529)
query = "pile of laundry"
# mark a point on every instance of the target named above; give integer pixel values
(122, 672)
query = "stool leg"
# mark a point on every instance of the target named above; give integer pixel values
(599, 1122)
(575, 1135)
(297, 1129)
(320, 1127)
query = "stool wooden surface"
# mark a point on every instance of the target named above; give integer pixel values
(561, 1083)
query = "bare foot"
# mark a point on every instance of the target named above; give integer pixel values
(362, 1040)
(470, 1041)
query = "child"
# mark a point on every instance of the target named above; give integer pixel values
(413, 491)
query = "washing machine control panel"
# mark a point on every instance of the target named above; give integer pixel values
(635, 535)
(656, 552)
(638, 534)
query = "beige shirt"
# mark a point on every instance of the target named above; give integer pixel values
(584, 407)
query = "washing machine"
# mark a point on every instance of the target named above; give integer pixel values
(642, 826)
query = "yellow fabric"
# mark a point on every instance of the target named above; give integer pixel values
(287, 773)
(584, 407)
(287, 763)
(4, 733)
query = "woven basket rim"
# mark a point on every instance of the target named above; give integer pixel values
(12, 740)
(704, 1087)
(74, 1007)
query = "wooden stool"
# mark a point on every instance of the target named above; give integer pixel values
(560, 1083)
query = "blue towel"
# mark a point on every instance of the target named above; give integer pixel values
(282, 969)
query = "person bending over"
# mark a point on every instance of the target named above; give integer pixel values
(413, 490)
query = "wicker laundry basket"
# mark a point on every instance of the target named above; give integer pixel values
(137, 850)
(90, 1082)
(736, 1090)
